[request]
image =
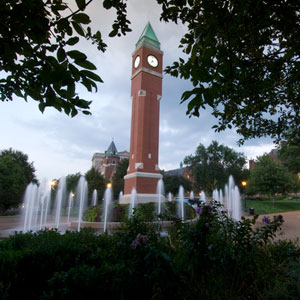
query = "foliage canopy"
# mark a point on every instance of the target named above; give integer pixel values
(118, 177)
(242, 58)
(290, 156)
(243, 61)
(213, 165)
(95, 182)
(269, 177)
(172, 184)
(38, 54)
(15, 174)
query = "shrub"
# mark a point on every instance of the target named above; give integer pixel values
(147, 211)
(119, 212)
(93, 214)
(213, 257)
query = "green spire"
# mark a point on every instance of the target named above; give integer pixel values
(148, 36)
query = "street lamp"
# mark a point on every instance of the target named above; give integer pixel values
(244, 184)
(53, 182)
(108, 185)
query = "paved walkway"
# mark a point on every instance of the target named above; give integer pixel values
(9, 224)
(290, 227)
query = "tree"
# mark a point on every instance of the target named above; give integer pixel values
(243, 61)
(22, 159)
(290, 156)
(172, 184)
(212, 166)
(95, 182)
(72, 181)
(118, 177)
(38, 56)
(15, 174)
(269, 177)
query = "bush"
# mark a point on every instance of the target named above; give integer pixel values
(148, 211)
(213, 257)
(93, 214)
(119, 212)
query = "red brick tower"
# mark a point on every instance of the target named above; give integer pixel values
(146, 89)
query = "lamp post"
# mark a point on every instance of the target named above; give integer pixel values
(244, 184)
(53, 183)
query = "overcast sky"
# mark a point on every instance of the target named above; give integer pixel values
(60, 145)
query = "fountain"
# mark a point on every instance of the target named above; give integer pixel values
(132, 202)
(94, 197)
(203, 197)
(36, 206)
(192, 197)
(60, 197)
(70, 204)
(120, 196)
(39, 212)
(47, 199)
(231, 199)
(108, 195)
(82, 191)
(181, 203)
(160, 195)
(29, 200)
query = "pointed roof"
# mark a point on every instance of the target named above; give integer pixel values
(112, 150)
(148, 36)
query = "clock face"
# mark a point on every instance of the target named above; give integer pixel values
(152, 61)
(137, 61)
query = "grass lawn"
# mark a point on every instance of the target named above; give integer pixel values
(267, 207)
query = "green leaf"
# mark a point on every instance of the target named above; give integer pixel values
(81, 4)
(42, 107)
(91, 75)
(77, 55)
(61, 54)
(107, 4)
(71, 90)
(78, 28)
(86, 112)
(87, 83)
(81, 18)
(85, 64)
(74, 112)
(75, 72)
(18, 93)
(67, 110)
(98, 35)
(73, 40)
(113, 33)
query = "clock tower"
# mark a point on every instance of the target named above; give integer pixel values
(146, 90)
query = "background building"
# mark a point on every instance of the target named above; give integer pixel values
(106, 163)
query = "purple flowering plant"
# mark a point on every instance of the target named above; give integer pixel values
(198, 210)
(266, 220)
(139, 240)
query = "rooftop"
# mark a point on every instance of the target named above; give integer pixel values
(148, 36)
